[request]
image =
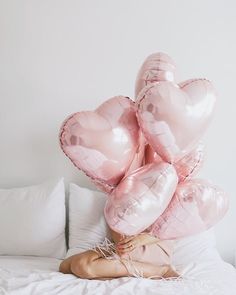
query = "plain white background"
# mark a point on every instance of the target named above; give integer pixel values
(58, 57)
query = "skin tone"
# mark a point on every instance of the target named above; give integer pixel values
(92, 265)
(127, 244)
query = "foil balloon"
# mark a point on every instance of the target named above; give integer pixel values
(190, 164)
(173, 118)
(140, 198)
(138, 159)
(104, 142)
(196, 206)
(157, 67)
(186, 167)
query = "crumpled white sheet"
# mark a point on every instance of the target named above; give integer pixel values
(41, 277)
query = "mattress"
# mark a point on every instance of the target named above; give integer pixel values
(39, 275)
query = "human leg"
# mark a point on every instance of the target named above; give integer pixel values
(91, 265)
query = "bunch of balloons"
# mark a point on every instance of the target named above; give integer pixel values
(144, 153)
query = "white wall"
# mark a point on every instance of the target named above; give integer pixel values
(58, 57)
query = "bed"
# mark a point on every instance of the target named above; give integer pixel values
(39, 275)
(33, 244)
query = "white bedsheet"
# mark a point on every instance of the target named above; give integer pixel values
(39, 275)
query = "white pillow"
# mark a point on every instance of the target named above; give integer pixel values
(87, 225)
(196, 248)
(32, 220)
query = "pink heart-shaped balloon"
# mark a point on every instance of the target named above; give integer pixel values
(157, 67)
(173, 118)
(196, 206)
(186, 167)
(103, 143)
(140, 198)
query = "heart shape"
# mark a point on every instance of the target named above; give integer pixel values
(196, 206)
(140, 198)
(102, 143)
(174, 117)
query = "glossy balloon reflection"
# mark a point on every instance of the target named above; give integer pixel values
(186, 167)
(196, 206)
(173, 119)
(139, 155)
(157, 67)
(103, 143)
(140, 198)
